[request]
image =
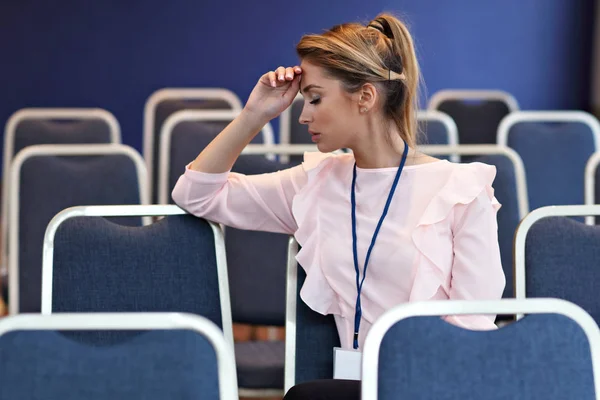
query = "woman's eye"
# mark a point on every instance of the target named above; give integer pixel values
(316, 101)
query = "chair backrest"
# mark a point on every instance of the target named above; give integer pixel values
(184, 135)
(177, 356)
(34, 126)
(437, 128)
(553, 353)
(592, 178)
(557, 256)
(554, 146)
(309, 336)
(477, 113)
(176, 264)
(46, 179)
(165, 102)
(510, 188)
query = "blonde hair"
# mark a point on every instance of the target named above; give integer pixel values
(381, 52)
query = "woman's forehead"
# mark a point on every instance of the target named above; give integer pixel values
(313, 75)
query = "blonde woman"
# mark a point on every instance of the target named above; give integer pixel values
(379, 227)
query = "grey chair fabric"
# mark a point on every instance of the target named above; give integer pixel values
(477, 121)
(561, 261)
(555, 157)
(152, 365)
(541, 357)
(168, 266)
(260, 364)
(48, 185)
(48, 131)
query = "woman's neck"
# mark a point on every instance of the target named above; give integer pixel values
(379, 150)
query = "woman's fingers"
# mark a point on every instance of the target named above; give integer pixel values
(272, 78)
(289, 73)
(283, 75)
(280, 72)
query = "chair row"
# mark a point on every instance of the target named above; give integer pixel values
(449, 116)
(131, 270)
(184, 132)
(183, 135)
(410, 352)
(47, 165)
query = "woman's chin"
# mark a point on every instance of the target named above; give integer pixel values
(323, 148)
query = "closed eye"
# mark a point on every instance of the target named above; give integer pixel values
(316, 101)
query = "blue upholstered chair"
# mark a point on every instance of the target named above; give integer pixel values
(555, 147)
(34, 126)
(178, 356)
(557, 256)
(165, 102)
(46, 179)
(477, 113)
(552, 353)
(184, 135)
(177, 264)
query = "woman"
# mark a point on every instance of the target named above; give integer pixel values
(425, 228)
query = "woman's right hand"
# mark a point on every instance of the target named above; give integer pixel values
(274, 92)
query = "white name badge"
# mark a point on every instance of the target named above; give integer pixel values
(346, 364)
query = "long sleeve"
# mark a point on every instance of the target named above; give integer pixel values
(477, 272)
(253, 202)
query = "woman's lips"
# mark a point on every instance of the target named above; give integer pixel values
(315, 136)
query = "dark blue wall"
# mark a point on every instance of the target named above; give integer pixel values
(114, 53)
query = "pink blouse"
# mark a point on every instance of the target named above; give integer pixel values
(438, 241)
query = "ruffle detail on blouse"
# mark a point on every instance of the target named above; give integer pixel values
(465, 183)
(316, 292)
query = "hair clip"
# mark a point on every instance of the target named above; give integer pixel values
(382, 26)
(394, 76)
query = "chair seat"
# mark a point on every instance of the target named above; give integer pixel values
(260, 364)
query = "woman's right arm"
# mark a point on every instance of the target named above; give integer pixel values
(257, 202)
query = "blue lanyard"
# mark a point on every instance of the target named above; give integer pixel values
(359, 282)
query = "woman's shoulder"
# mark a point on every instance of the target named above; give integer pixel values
(316, 162)
(456, 174)
(460, 183)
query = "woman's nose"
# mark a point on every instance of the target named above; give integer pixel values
(304, 118)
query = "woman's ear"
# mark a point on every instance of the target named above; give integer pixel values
(367, 97)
